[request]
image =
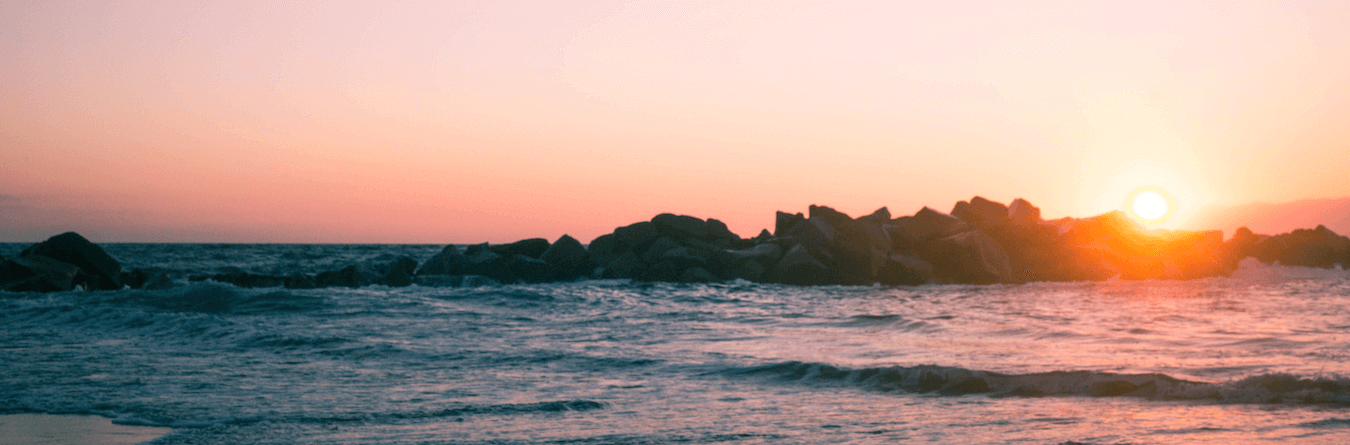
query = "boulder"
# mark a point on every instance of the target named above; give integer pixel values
(605, 248)
(784, 222)
(980, 211)
(397, 277)
(799, 267)
(37, 273)
(568, 258)
(718, 230)
(680, 226)
(530, 270)
(834, 217)
(532, 248)
(904, 269)
(968, 257)
(448, 262)
(636, 234)
(815, 232)
(1319, 247)
(862, 248)
(662, 271)
(104, 271)
(398, 273)
(352, 276)
(659, 248)
(698, 275)
(1022, 213)
(683, 258)
(750, 270)
(627, 266)
(483, 261)
(879, 217)
(925, 225)
(762, 254)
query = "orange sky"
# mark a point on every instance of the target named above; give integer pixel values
(439, 122)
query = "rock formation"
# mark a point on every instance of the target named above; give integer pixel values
(980, 242)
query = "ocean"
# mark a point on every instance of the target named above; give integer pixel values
(1260, 357)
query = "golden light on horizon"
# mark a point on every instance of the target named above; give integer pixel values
(1149, 205)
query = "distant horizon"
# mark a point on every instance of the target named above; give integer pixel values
(1225, 219)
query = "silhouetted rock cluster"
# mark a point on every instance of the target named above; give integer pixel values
(979, 242)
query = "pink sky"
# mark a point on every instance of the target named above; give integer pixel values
(440, 122)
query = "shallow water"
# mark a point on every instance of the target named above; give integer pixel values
(1260, 357)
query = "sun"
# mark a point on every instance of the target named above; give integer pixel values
(1149, 205)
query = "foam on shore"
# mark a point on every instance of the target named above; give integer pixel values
(34, 429)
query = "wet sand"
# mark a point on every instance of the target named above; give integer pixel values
(33, 429)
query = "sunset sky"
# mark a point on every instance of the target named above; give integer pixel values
(464, 122)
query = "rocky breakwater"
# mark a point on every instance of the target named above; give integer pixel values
(979, 242)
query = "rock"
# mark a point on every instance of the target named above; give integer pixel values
(762, 254)
(398, 273)
(448, 262)
(862, 248)
(1024, 214)
(1319, 247)
(879, 217)
(37, 273)
(659, 248)
(784, 222)
(627, 266)
(698, 275)
(532, 248)
(352, 276)
(980, 211)
(680, 226)
(483, 261)
(750, 270)
(636, 234)
(683, 258)
(74, 249)
(903, 269)
(836, 218)
(925, 225)
(530, 270)
(397, 277)
(799, 267)
(718, 230)
(662, 271)
(300, 281)
(968, 257)
(605, 248)
(815, 232)
(568, 258)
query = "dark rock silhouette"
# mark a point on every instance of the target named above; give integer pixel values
(981, 242)
(568, 258)
(103, 271)
(448, 262)
(36, 273)
(532, 248)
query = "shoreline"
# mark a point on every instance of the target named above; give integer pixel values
(72, 429)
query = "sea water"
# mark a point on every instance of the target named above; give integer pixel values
(1260, 357)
